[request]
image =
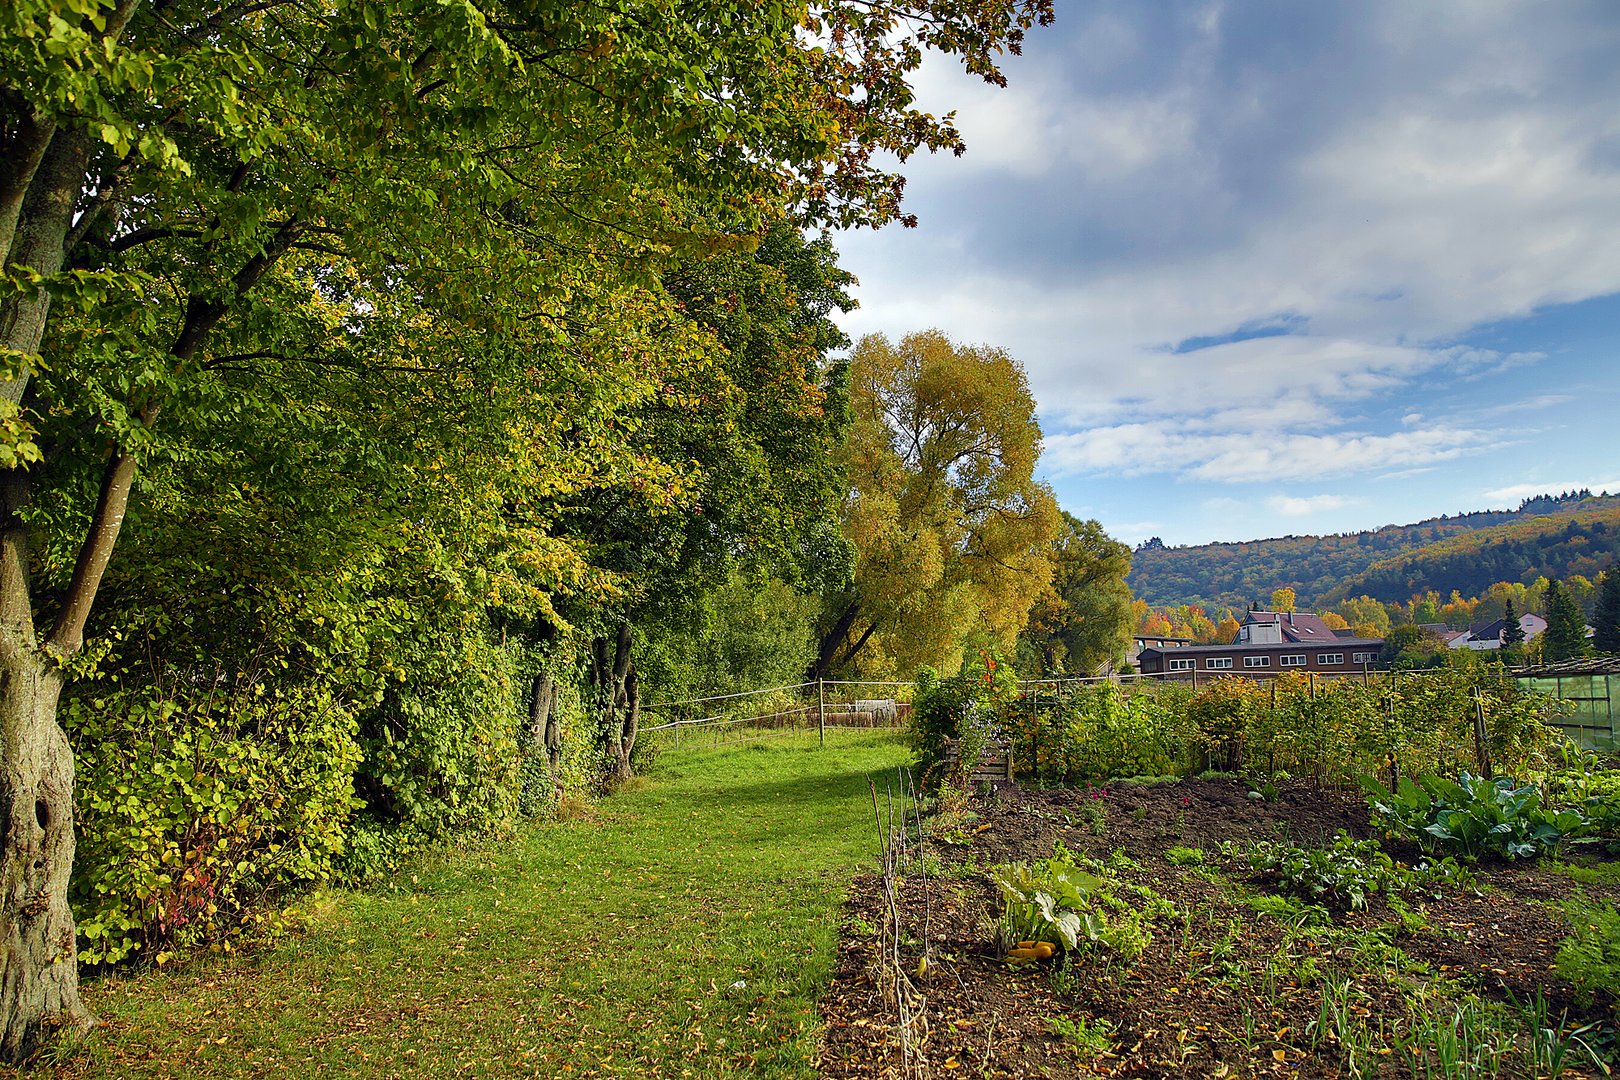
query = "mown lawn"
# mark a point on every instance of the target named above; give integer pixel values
(686, 929)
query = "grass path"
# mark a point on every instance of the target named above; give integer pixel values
(600, 947)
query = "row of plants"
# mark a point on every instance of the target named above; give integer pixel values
(1328, 732)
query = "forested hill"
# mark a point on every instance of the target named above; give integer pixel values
(1555, 536)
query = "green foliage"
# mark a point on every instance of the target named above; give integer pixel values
(1606, 613)
(1344, 873)
(1594, 793)
(1091, 733)
(1085, 625)
(1185, 856)
(1565, 636)
(1471, 815)
(966, 711)
(197, 810)
(1079, 909)
(1590, 957)
(440, 751)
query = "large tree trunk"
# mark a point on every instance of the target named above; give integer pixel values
(39, 973)
(545, 730)
(832, 641)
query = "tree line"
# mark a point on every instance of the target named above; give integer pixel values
(1549, 536)
(400, 397)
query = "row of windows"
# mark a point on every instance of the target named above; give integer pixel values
(1287, 660)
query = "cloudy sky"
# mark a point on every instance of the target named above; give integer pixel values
(1283, 267)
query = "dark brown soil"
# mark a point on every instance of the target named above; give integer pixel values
(1223, 990)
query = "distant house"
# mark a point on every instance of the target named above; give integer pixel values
(1489, 636)
(1149, 641)
(1268, 644)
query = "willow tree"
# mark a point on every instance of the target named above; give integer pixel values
(952, 532)
(181, 183)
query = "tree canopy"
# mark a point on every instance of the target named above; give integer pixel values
(345, 315)
(951, 530)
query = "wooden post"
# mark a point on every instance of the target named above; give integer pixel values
(1482, 746)
(1313, 686)
(821, 711)
(1389, 741)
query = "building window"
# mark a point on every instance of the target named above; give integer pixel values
(1291, 660)
(1218, 662)
(1327, 658)
(1363, 657)
(1257, 661)
(1182, 664)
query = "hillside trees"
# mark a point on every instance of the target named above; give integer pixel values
(951, 531)
(199, 206)
(1086, 623)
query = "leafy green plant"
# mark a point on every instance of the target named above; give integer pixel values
(1470, 815)
(1595, 794)
(1074, 907)
(1345, 873)
(1185, 856)
(1087, 1038)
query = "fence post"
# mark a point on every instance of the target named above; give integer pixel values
(821, 711)
(677, 731)
(1482, 747)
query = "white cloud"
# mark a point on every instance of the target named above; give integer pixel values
(1153, 178)
(1303, 506)
(1160, 447)
(1517, 492)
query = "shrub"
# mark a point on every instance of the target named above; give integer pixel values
(440, 749)
(966, 711)
(195, 814)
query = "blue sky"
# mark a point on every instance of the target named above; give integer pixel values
(1285, 268)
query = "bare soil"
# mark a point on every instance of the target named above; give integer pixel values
(1223, 990)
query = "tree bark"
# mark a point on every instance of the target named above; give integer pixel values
(832, 640)
(39, 973)
(618, 701)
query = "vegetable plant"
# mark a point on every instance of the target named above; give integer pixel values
(1345, 872)
(1470, 815)
(1057, 901)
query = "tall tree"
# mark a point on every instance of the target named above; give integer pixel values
(1512, 629)
(1283, 599)
(1565, 636)
(1086, 623)
(188, 190)
(1606, 613)
(951, 530)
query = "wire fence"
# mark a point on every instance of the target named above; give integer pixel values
(796, 710)
(780, 712)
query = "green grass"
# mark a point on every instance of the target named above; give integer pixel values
(605, 946)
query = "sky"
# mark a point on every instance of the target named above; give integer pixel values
(1284, 268)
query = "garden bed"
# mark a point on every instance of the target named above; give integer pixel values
(1235, 982)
